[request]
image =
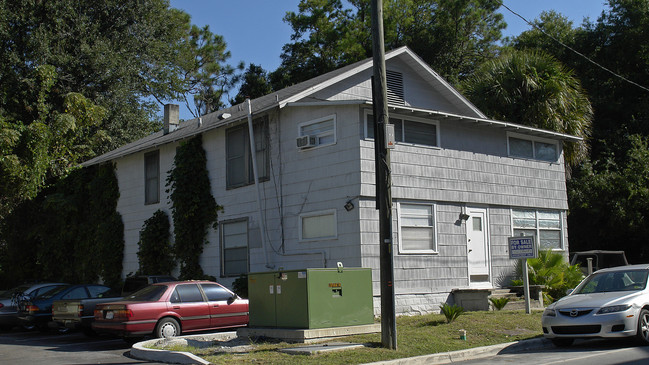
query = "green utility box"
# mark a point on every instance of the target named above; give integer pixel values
(311, 298)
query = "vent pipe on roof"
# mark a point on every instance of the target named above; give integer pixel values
(171, 118)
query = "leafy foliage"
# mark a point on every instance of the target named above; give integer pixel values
(240, 286)
(499, 303)
(77, 81)
(451, 312)
(156, 252)
(255, 84)
(193, 207)
(452, 36)
(551, 270)
(69, 232)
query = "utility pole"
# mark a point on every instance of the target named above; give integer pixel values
(383, 179)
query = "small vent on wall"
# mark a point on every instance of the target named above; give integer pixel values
(395, 87)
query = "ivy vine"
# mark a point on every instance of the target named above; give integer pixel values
(155, 253)
(193, 207)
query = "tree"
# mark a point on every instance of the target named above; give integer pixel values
(255, 84)
(534, 89)
(77, 81)
(452, 36)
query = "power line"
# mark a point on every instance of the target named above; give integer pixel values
(573, 50)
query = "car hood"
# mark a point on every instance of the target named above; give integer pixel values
(597, 300)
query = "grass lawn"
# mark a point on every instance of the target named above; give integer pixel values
(416, 335)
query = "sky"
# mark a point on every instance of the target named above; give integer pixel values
(255, 32)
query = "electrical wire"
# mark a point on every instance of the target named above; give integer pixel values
(574, 50)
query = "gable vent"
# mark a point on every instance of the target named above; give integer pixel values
(395, 87)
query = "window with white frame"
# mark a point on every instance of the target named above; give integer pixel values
(537, 149)
(239, 166)
(234, 248)
(318, 225)
(409, 130)
(417, 228)
(323, 129)
(544, 224)
(152, 177)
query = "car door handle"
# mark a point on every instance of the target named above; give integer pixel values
(176, 307)
(215, 306)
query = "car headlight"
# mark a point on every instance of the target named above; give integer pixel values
(549, 313)
(614, 308)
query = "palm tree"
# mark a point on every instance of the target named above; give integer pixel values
(534, 89)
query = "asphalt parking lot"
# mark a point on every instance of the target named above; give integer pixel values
(52, 348)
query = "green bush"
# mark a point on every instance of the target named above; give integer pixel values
(451, 312)
(155, 254)
(499, 303)
(240, 286)
(551, 270)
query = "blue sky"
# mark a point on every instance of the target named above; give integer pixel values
(255, 32)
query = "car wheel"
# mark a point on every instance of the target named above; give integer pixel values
(562, 342)
(167, 327)
(643, 327)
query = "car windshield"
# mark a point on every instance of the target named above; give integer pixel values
(52, 292)
(148, 294)
(613, 281)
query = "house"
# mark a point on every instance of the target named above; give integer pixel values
(461, 183)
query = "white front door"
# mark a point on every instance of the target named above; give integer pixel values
(477, 242)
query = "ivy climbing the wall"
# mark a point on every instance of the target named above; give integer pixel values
(193, 207)
(155, 252)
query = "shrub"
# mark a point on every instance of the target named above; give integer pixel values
(240, 286)
(499, 303)
(451, 312)
(551, 270)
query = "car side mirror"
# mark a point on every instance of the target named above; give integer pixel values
(569, 291)
(232, 299)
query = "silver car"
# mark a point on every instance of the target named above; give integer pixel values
(610, 303)
(9, 299)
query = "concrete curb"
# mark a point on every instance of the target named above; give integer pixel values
(471, 354)
(141, 352)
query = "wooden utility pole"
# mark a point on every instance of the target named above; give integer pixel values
(383, 180)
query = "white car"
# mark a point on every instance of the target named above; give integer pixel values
(610, 303)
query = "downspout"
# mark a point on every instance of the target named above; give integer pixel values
(253, 152)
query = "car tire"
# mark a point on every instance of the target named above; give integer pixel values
(643, 327)
(562, 342)
(167, 328)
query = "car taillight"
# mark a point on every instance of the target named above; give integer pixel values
(1, 305)
(31, 308)
(80, 310)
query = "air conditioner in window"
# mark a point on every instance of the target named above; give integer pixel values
(306, 142)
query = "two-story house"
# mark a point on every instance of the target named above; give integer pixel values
(461, 183)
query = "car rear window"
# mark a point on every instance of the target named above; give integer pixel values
(148, 294)
(52, 292)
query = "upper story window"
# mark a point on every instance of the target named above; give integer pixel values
(318, 225)
(409, 130)
(417, 228)
(321, 131)
(152, 177)
(239, 158)
(533, 148)
(545, 225)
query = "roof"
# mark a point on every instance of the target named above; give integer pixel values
(291, 96)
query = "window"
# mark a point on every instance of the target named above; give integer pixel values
(423, 132)
(318, 225)
(234, 248)
(238, 157)
(216, 293)
(187, 293)
(417, 228)
(545, 225)
(152, 177)
(324, 129)
(520, 146)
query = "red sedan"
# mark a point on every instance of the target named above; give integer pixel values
(171, 308)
